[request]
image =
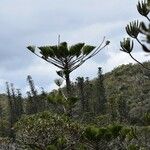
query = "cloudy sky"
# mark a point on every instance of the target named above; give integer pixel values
(39, 22)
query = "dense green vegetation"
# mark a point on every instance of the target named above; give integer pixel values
(126, 106)
(111, 111)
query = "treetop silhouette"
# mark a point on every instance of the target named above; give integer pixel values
(67, 58)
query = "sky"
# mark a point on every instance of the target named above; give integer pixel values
(39, 22)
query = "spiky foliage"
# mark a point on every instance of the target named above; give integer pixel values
(31, 85)
(67, 58)
(142, 8)
(32, 103)
(35, 102)
(135, 28)
(126, 45)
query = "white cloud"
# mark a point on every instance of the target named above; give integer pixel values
(116, 59)
(25, 22)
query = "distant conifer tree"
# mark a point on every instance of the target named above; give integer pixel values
(100, 90)
(32, 96)
(88, 94)
(31, 85)
(11, 111)
(2, 125)
(19, 103)
(30, 107)
(14, 102)
(43, 100)
(80, 84)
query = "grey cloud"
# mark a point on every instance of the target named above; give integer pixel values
(27, 22)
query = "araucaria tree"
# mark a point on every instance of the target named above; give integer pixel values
(135, 29)
(66, 58)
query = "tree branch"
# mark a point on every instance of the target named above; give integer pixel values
(50, 61)
(138, 62)
(82, 61)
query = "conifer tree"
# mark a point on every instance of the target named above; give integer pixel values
(30, 104)
(88, 94)
(100, 90)
(43, 100)
(80, 83)
(19, 103)
(2, 125)
(66, 58)
(11, 112)
(32, 86)
(32, 96)
(14, 102)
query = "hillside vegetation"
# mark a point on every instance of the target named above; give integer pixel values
(118, 100)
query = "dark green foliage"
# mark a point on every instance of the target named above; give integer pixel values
(142, 8)
(134, 29)
(32, 103)
(20, 110)
(75, 50)
(100, 90)
(122, 108)
(61, 103)
(126, 103)
(67, 59)
(35, 103)
(14, 108)
(106, 113)
(31, 48)
(113, 95)
(63, 133)
(29, 104)
(127, 45)
(87, 49)
(46, 51)
(46, 131)
(88, 94)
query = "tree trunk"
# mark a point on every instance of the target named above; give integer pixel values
(68, 84)
(68, 89)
